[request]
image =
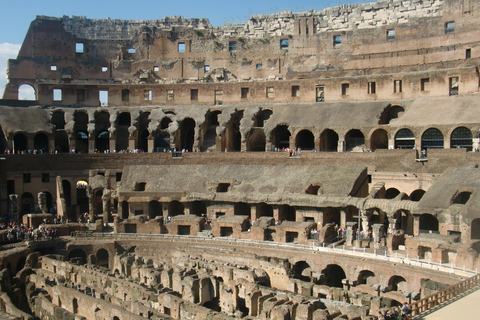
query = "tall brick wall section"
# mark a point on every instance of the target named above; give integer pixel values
(380, 160)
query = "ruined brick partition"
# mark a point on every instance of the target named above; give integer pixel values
(206, 171)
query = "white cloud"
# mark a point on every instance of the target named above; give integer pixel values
(7, 51)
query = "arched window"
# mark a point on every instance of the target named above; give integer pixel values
(404, 139)
(329, 140)
(305, 140)
(354, 139)
(281, 137)
(379, 140)
(432, 139)
(461, 138)
(26, 92)
(256, 140)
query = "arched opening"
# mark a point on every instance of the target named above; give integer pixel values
(305, 140)
(165, 123)
(404, 221)
(391, 193)
(287, 213)
(264, 210)
(82, 196)
(261, 117)
(80, 128)
(390, 113)
(397, 283)
(58, 120)
(256, 140)
(379, 140)
(302, 271)
(199, 208)
(79, 255)
(355, 141)
(102, 258)
(102, 124)
(175, 208)
(40, 143)
(186, 135)
(162, 141)
(416, 195)
(475, 229)
(26, 204)
(329, 141)
(366, 277)
(461, 138)
(67, 192)
(280, 137)
(61, 142)
(432, 139)
(20, 143)
(49, 199)
(154, 209)
(334, 275)
(142, 131)
(242, 209)
(209, 130)
(461, 197)
(404, 139)
(428, 223)
(26, 92)
(232, 138)
(122, 134)
(331, 215)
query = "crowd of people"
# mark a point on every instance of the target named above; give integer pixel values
(19, 232)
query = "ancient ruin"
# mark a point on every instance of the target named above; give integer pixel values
(313, 165)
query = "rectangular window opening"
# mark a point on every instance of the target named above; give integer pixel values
(156, 68)
(132, 50)
(390, 34)
(103, 98)
(453, 83)
(337, 40)
(232, 46)
(295, 91)
(125, 95)
(170, 94)
(118, 176)
(371, 88)
(397, 86)
(45, 177)
(424, 84)
(259, 66)
(345, 87)
(206, 68)
(284, 44)
(218, 97)
(104, 69)
(80, 95)
(194, 94)
(181, 47)
(79, 47)
(270, 92)
(449, 27)
(57, 94)
(468, 53)
(27, 178)
(245, 92)
(147, 95)
(53, 68)
(320, 94)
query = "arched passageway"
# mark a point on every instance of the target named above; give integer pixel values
(81, 132)
(305, 140)
(391, 193)
(102, 136)
(302, 271)
(461, 138)
(26, 204)
(198, 208)
(122, 134)
(78, 254)
(242, 209)
(366, 277)
(264, 210)
(475, 229)
(428, 223)
(40, 143)
(256, 140)
(417, 195)
(175, 208)
(232, 138)
(20, 144)
(262, 116)
(329, 140)
(432, 139)
(280, 137)
(143, 133)
(26, 92)
(102, 258)
(354, 140)
(186, 135)
(286, 212)
(154, 209)
(397, 283)
(209, 130)
(333, 276)
(404, 139)
(379, 140)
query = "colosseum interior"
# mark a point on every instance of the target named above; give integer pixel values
(313, 165)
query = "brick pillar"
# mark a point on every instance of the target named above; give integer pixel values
(376, 234)
(350, 233)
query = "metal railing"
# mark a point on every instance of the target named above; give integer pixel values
(444, 295)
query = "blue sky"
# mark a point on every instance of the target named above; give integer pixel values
(15, 16)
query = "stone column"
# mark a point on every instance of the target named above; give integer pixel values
(475, 144)
(365, 225)
(150, 144)
(391, 225)
(343, 218)
(341, 146)
(416, 226)
(91, 144)
(376, 234)
(350, 233)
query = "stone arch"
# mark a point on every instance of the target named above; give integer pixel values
(165, 123)
(264, 210)
(67, 192)
(397, 283)
(82, 196)
(404, 139)
(162, 141)
(26, 203)
(198, 208)
(20, 143)
(154, 209)
(417, 195)
(256, 140)
(209, 130)
(334, 274)
(329, 140)
(262, 116)
(461, 137)
(232, 138)
(432, 138)
(40, 143)
(391, 112)
(391, 193)
(280, 137)
(475, 229)
(462, 196)
(26, 92)
(286, 212)
(81, 131)
(242, 209)
(366, 277)
(78, 254)
(49, 198)
(186, 135)
(175, 208)
(404, 221)
(102, 258)
(305, 140)
(302, 271)
(58, 120)
(124, 121)
(354, 140)
(331, 215)
(102, 136)
(142, 131)
(379, 140)
(428, 223)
